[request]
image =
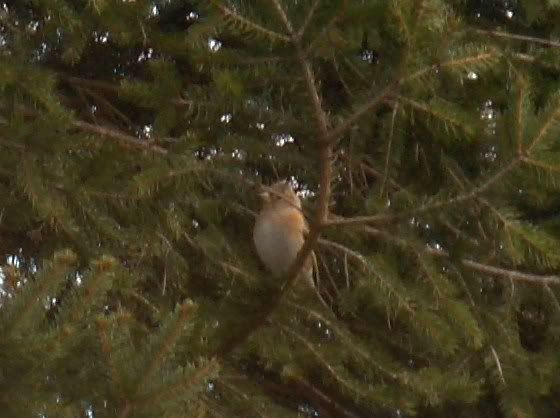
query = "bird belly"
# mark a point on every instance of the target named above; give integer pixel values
(276, 247)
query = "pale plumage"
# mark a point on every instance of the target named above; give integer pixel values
(280, 229)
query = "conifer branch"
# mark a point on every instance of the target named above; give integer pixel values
(387, 218)
(229, 13)
(498, 364)
(234, 388)
(534, 60)
(321, 398)
(505, 273)
(348, 341)
(553, 298)
(10, 144)
(389, 150)
(329, 368)
(371, 104)
(163, 392)
(540, 164)
(102, 325)
(107, 105)
(520, 119)
(324, 30)
(447, 118)
(513, 36)
(285, 20)
(29, 302)
(546, 127)
(308, 19)
(493, 271)
(127, 140)
(95, 84)
(325, 177)
(480, 58)
(97, 283)
(114, 88)
(362, 110)
(344, 249)
(325, 154)
(166, 345)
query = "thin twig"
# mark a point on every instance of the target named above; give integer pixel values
(364, 109)
(112, 88)
(321, 397)
(346, 274)
(324, 31)
(342, 248)
(308, 19)
(498, 364)
(372, 103)
(387, 218)
(325, 159)
(545, 128)
(330, 369)
(121, 137)
(246, 22)
(493, 271)
(513, 36)
(166, 390)
(349, 340)
(510, 274)
(10, 144)
(389, 147)
(553, 297)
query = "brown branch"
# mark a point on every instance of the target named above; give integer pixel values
(371, 104)
(534, 60)
(112, 88)
(365, 108)
(344, 249)
(544, 129)
(450, 64)
(308, 19)
(498, 272)
(320, 360)
(321, 398)
(389, 147)
(387, 218)
(324, 31)
(121, 137)
(85, 82)
(10, 144)
(325, 159)
(246, 22)
(553, 298)
(166, 346)
(163, 392)
(509, 274)
(513, 36)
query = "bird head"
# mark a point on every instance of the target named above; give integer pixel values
(279, 194)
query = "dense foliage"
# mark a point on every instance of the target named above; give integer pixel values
(422, 135)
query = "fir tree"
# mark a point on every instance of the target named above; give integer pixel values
(422, 136)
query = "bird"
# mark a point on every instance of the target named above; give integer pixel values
(280, 229)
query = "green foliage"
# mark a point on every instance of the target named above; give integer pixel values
(133, 134)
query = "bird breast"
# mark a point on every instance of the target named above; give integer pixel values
(278, 237)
